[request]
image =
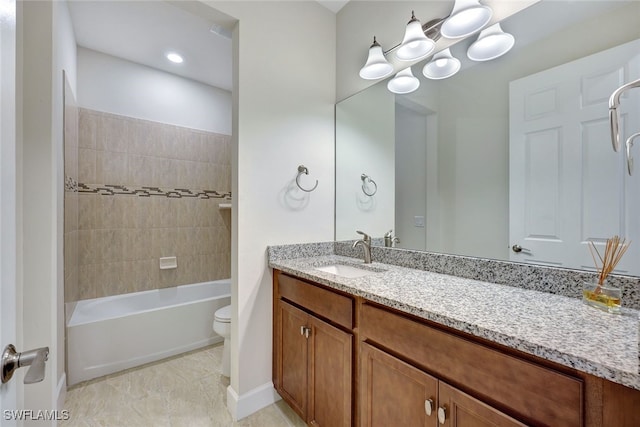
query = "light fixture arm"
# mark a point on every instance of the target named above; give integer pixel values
(431, 29)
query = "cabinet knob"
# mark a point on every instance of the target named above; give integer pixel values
(304, 331)
(428, 406)
(442, 415)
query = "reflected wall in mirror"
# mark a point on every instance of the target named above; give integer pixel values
(509, 152)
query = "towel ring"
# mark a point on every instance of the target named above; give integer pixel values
(366, 179)
(303, 170)
(629, 145)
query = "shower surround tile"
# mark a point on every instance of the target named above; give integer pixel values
(147, 190)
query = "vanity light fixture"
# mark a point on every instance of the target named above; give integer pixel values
(441, 66)
(377, 66)
(415, 44)
(403, 82)
(491, 44)
(175, 58)
(467, 17)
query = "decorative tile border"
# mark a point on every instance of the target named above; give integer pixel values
(142, 191)
(70, 184)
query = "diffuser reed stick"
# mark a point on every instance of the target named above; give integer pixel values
(613, 251)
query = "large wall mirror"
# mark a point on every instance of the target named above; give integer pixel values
(510, 152)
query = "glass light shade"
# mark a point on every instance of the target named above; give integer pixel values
(491, 43)
(403, 82)
(441, 66)
(377, 66)
(467, 17)
(415, 45)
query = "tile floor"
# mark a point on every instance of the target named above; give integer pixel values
(186, 390)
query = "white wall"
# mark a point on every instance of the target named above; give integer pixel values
(411, 176)
(118, 86)
(285, 86)
(366, 124)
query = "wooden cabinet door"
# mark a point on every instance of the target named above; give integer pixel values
(458, 409)
(330, 378)
(394, 393)
(291, 354)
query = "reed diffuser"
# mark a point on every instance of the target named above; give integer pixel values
(599, 294)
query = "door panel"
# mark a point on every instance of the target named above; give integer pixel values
(8, 237)
(292, 346)
(567, 186)
(330, 375)
(462, 410)
(393, 393)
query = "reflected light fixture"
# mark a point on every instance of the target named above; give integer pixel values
(175, 58)
(403, 82)
(377, 66)
(415, 44)
(491, 44)
(467, 17)
(441, 66)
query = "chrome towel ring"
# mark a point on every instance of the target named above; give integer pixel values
(366, 179)
(302, 169)
(629, 145)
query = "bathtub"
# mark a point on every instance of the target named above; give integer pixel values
(107, 335)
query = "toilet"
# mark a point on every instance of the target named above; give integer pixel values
(222, 326)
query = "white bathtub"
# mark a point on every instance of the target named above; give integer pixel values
(106, 335)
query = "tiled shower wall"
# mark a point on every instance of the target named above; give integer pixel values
(148, 190)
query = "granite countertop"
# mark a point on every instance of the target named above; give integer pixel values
(553, 327)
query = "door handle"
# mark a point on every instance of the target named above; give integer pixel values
(517, 249)
(35, 359)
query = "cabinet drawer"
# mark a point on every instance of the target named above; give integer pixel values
(325, 303)
(535, 393)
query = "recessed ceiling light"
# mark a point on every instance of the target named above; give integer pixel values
(175, 58)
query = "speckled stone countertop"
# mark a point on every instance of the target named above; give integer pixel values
(553, 327)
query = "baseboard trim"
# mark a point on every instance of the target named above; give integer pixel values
(256, 399)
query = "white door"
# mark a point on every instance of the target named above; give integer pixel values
(8, 248)
(567, 186)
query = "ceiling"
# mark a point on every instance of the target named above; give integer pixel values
(144, 31)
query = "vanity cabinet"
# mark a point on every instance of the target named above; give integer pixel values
(340, 360)
(396, 393)
(313, 357)
(500, 383)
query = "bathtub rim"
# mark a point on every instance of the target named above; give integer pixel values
(72, 306)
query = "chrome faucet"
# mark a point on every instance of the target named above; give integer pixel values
(365, 242)
(390, 240)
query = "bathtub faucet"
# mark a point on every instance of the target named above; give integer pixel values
(12, 360)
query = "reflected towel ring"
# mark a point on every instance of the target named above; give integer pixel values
(366, 179)
(629, 145)
(303, 170)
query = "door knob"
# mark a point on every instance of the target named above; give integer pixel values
(35, 359)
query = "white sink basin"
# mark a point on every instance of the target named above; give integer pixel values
(344, 270)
